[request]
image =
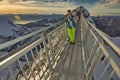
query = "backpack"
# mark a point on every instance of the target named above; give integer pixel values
(86, 13)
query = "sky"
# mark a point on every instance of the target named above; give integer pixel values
(58, 6)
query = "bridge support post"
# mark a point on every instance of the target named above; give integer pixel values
(47, 54)
(51, 48)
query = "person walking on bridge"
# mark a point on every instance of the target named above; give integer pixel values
(84, 12)
(70, 24)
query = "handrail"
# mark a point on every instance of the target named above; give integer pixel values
(97, 53)
(42, 50)
(14, 57)
(108, 40)
(12, 42)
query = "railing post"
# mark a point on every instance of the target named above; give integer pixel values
(22, 70)
(65, 32)
(30, 67)
(51, 47)
(12, 76)
(47, 53)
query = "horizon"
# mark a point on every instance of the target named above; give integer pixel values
(92, 14)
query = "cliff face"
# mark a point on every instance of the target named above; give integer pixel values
(108, 24)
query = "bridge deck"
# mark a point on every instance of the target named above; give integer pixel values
(70, 64)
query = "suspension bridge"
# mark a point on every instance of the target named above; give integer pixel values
(50, 56)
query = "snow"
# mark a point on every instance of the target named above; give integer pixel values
(9, 30)
(116, 40)
(89, 18)
(3, 52)
(6, 27)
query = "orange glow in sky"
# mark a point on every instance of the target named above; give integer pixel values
(25, 8)
(34, 7)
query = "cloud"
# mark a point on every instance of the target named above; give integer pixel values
(38, 1)
(45, 4)
(108, 2)
(41, 3)
(31, 7)
(34, 7)
(58, 6)
(104, 7)
(17, 6)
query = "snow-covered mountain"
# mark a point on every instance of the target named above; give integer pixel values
(9, 30)
(108, 24)
(6, 27)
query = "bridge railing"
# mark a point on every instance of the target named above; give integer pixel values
(35, 60)
(101, 56)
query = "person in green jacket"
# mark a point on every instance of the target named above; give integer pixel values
(70, 25)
